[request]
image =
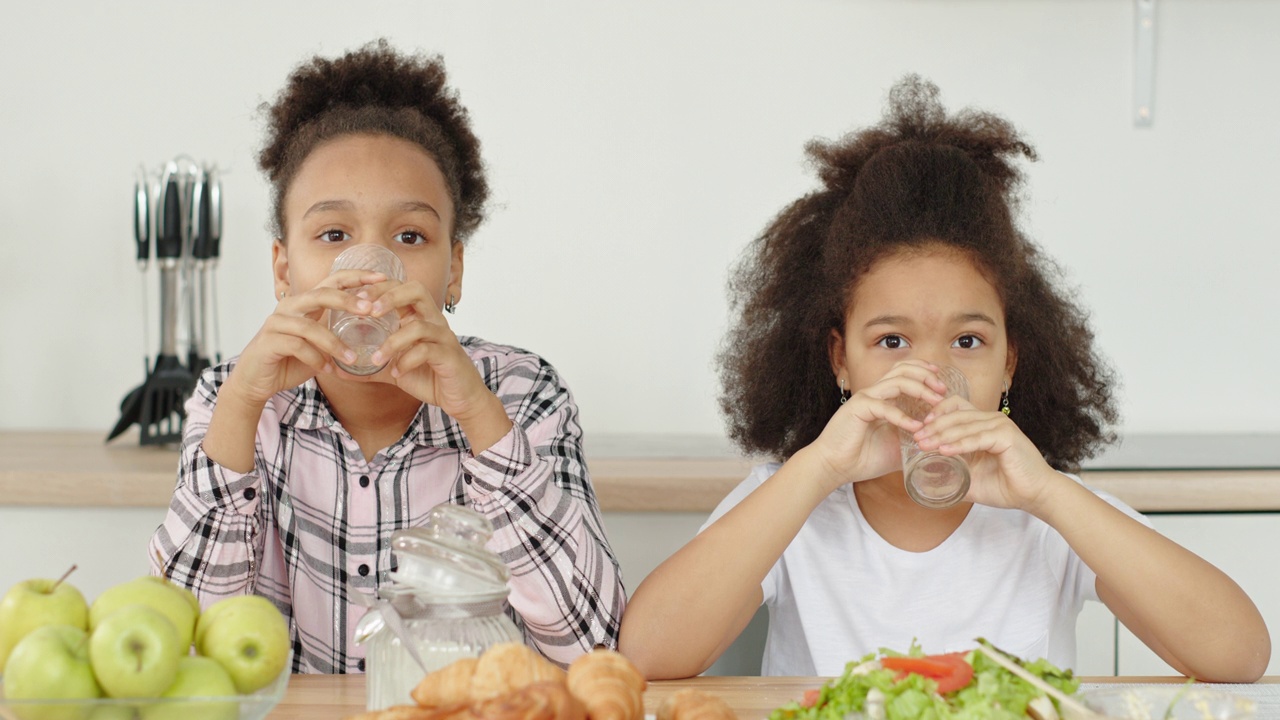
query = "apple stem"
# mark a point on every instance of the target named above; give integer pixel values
(64, 577)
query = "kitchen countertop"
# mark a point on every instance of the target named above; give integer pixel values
(331, 697)
(660, 473)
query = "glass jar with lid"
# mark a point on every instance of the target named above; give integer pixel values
(446, 601)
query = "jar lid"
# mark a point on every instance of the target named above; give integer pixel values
(447, 555)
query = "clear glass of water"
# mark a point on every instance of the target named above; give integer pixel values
(932, 479)
(364, 334)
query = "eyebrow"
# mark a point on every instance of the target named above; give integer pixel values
(347, 205)
(957, 319)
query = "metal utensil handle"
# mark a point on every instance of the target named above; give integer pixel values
(142, 218)
(169, 308)
(203, 280)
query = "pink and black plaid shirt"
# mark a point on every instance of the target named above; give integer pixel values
(314, 519)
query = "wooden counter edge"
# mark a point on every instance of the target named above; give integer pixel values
(319, 697)
(92, 475)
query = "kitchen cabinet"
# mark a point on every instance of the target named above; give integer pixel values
(1246, 546)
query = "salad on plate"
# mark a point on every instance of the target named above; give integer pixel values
(982, 683)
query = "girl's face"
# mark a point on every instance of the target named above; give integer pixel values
(369, 189)
(930, 305)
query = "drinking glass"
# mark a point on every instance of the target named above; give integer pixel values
(932, 479)
(364, 334)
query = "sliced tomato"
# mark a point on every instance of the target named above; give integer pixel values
(950, 671)
(810, 698)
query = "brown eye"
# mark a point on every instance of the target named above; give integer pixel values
(968, 342)
(334, 236)
(410, 237)
(892, 342)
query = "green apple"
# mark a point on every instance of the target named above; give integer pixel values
(185, 592)
(249, 637)
(51, 663)
(210, 616)
(34, 603)
(152, 591)
(198, 677)
(135, 652)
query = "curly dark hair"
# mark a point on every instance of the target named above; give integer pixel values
(375, 90)
(917, 180)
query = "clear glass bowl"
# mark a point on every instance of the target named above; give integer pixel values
(236, 707)
(1171, 702)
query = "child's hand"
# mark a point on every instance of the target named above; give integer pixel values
(293, 345)
(426, 359)
(1006, 469)
(861, 442)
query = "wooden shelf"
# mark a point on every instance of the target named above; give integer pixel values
(75, 469)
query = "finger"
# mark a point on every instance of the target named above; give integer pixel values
(923, 371)
(376, 290)
(347, 279)
(991, 440)
(286, 347)
(906, 384)
(311, 332)
(949, 405)
(961, 430)
(308, 355)
(943, 422)
(416, 334)
(415, 357)
(437, 359)
(411, 296)
(323, 298)
(920, 371)
(869, 410)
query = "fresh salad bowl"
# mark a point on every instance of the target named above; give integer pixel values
(235, 707)
(1168, 702)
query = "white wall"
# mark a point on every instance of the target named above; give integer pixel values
(635, 149)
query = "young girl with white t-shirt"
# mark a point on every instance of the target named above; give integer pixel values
(906, 260)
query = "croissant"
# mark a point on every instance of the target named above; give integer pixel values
(690, 704)
(507, 667)
(609, 685)
(546, 700)
(450, 685)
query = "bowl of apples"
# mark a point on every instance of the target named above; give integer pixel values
(143, 650)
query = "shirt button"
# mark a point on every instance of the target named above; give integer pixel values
(364, 481)
(360, 665)
(250, 494)
(363, 570)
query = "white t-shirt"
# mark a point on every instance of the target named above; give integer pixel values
(840, 591)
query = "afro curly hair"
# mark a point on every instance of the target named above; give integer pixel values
(919, 179)
(375, 90)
